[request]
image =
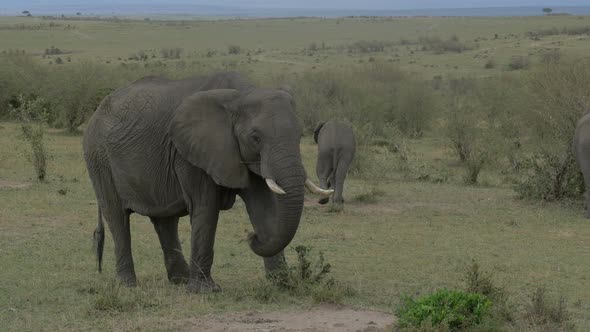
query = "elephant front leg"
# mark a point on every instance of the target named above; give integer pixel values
(203, 227)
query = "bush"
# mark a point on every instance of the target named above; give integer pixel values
(234, 49)
(85, 85)
(490, 64)
(558, 97)
(416, 109)
(444, 309)
(32, 116)
(519, 63)
(469, 136)
(440, 46)
(550, 176)
(368, 46)
(308, 278)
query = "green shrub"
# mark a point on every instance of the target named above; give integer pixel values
(32, 116)
(444, 309)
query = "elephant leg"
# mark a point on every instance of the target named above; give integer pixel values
(176, 266)
(324, 169)
(203, 227)
(339, 177)
(118, 221)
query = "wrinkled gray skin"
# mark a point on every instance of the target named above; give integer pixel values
(166, 149)
(336, 149)
(582, 154)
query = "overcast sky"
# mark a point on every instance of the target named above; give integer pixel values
(330, 4)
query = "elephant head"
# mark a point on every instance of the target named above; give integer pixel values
(249, 141)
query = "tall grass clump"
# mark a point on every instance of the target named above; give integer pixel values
(558, 95)
(31, 113)
(545, 314)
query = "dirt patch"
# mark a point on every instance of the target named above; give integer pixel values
(13, 185)
(323, 318)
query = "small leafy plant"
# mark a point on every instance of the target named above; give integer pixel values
(445, 309)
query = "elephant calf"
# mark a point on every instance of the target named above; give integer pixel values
(582, 153)
(336, 149)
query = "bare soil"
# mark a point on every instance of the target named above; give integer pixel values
(13, 185)
(322, 318)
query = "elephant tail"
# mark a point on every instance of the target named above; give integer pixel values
(99, 240)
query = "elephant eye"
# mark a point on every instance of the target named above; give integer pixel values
(256, 138)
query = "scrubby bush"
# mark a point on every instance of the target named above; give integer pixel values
(519, 63)
(309, 277)
(84, 86)
(558, 97)
(416, 108)
(234, 49)
(469, 136)
(368, 46)
(439, 46)
(31, 113)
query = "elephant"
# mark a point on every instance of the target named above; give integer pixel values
(581, 149)
(336, 150)
(166, 148)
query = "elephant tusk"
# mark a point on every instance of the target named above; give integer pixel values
(317, 190)
(274, 187)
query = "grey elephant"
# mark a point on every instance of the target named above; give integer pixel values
(336, 150)
(581, 149)
(170, 148)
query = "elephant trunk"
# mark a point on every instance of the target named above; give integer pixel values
(283, 218)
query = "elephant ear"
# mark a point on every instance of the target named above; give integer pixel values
(202, 132)
(316, 131)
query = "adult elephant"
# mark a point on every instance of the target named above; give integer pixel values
(582, 153)
(336, 150)
(170, 148)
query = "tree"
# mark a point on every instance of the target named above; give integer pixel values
(547, 10)
(78, 14)
(26, 13)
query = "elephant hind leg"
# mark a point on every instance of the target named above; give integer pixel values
(176, 266)
(339, 177)
(117, 219)
(324, 170)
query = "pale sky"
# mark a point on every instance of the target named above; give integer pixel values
(312, 4)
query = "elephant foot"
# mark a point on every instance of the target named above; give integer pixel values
(127, 279)
(587, 214)
(200, 286)
(179, 273)
(324, 201)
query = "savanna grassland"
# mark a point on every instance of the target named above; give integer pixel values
(464, 128)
